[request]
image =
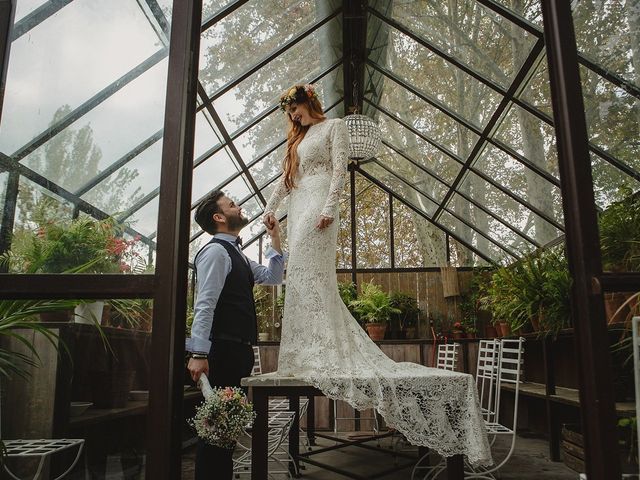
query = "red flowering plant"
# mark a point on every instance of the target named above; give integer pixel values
(458, 327)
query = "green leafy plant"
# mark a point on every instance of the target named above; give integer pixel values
(408, 306)
(630, 424)
(374, 304)
(620, 233)
(264, 311)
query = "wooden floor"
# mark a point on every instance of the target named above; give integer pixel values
(530, 461)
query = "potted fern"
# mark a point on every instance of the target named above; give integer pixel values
(374, 307)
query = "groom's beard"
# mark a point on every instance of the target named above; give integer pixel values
(236, 223)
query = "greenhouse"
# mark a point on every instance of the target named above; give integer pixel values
(175, 175)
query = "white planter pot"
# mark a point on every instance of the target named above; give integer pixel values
(89, 313)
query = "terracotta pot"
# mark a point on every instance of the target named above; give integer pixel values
(458, 334)
(471, 335)
(505, 329)
(376, 331)
(490, 331)
(535, 323)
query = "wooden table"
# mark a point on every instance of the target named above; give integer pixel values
(265, 386)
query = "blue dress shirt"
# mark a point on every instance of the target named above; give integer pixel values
(213, 264)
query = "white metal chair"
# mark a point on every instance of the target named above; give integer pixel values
(636, 367)
(279, 426)
(447, 358)
(487, 377)
(510, 368)
(336, 418)
(281, 404)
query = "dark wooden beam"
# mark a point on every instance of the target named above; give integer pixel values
(354, 40)
(597, 407)
(165, 418)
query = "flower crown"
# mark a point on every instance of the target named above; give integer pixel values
(297, 94)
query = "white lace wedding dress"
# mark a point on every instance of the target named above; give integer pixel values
(324, 345)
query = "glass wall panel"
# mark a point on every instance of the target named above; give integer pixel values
(4, 176)
(145, 220)
(513, 175)
(207, 135)
(407, 243)
(537, 92)
(372, 226)
(531, 11)
(67, 59)
(471, 33)
(344, 232)
(609, 182)
(439, 80)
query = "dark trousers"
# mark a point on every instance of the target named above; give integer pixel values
(228, 363)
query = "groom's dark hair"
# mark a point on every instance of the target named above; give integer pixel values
(205, 210)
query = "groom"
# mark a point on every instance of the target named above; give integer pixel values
(224, 323)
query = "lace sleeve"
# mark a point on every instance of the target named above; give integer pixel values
(276, 198)
(339, 159)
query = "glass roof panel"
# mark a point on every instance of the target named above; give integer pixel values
(265, 26)
(505, 207)
(4, 176)
(480, 243)
(268, 167)
(25, 7)
(426, 119)
(251, 207)
(405, 191)
(207, 135)
(209, 7)
(609, 182)
(145, 220)
(472, 34)
(129, 184)
(69, 58)
(530, 137)
(105, 134)
(418, 150)
(212, 174)
(238, 189)
(262, 137)
(537, 92)
(404, 169)
(439, 80)
(521, 180)
(483, 222)
(30, 194)
(612, 118)
(607, 33)
(530, 10)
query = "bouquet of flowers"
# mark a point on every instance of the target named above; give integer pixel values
(223, 416)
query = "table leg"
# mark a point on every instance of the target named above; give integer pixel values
(294, 436)
(259, 464)
(455, 468)
(311, 420)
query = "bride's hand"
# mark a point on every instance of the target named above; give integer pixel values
(324, 222)
(270, 221)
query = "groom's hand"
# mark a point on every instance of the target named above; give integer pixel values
(198, 366)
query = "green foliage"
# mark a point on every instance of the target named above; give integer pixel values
(630, 426)
(408, 306)
(538, 285)
(620, 234)
(374, 304)
(81, 244)
(264, 310)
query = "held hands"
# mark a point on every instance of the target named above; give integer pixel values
(271, 222)
(198, 366)
(324, 222)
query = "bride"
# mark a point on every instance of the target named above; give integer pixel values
(321, 342)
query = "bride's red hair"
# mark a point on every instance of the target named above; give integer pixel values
(296, 133)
